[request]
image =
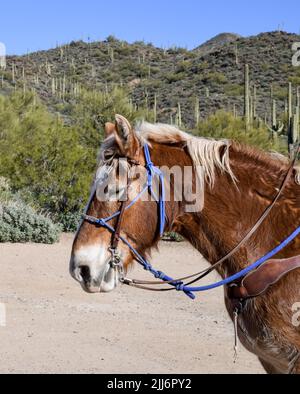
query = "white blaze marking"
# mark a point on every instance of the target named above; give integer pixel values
(94, 257)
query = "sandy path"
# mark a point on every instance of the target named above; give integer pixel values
(53, 326)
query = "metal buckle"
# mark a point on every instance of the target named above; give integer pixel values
(116, 258)
(116, 263)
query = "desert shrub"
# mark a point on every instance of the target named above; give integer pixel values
(184, 66)
(174, 77)
(177, 51)
(112, 39)
(69, 221)
(21, 223)
(234, 90)
(225, 125)
(215, 77)
(295, 80)
(279, 92)
(94, 109)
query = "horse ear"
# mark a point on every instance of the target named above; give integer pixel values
(109, 129)
(126, 137)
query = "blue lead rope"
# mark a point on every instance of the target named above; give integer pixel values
(180, 286)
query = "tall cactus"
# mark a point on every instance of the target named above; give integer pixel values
(295, 129)
(155, 108)
(112, 56)
(290, 102)
(179, 116)
(13, 73)
(293, 121)
(53, 86)
(276, 127)
(236, 51)
(197, 112)
(255, 102)
(247, 98)
(234, 111)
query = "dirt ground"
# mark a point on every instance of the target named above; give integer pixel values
(54, 327)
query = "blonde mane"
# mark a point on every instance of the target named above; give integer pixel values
(206, 154)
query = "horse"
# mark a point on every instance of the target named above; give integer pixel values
(239, 184)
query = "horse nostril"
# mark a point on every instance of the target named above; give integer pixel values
(85, 273)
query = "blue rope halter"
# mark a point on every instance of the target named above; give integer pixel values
(178, 285)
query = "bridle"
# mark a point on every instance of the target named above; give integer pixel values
(178, 284)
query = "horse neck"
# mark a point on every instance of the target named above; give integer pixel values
(230, 211)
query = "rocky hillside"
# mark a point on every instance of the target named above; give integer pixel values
(212, 73)
(217, 42)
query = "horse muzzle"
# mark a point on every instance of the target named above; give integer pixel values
(95, 278)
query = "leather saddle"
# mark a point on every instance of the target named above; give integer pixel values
(256, 283)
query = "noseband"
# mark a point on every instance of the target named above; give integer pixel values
(179, 284)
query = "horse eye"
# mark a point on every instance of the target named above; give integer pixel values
(116, 194)
(108, 158)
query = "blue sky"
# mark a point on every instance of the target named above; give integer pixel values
(41, 24)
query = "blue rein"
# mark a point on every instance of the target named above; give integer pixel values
(161, 201)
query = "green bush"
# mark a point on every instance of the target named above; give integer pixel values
(225, 125)
(21, 223)
(69, 221)
(295, 80)
(215, 77)
(234, 90)
(174, 77)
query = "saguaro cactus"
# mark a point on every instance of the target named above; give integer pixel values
(53, 86)
(247, 98)
(290, 103)
(13, 73)
(155, 109)
(112, 55)
(234, 111)
(293, 121)
(254, 102)
(295, 129)
(197, 112)
(276, 127)
(179, 116)
(236, 51)
(291, 134)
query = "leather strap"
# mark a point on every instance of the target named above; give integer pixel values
(258, 282)
(115, 240)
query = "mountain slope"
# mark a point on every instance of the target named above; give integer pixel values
(212, 74)
(216, 42)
